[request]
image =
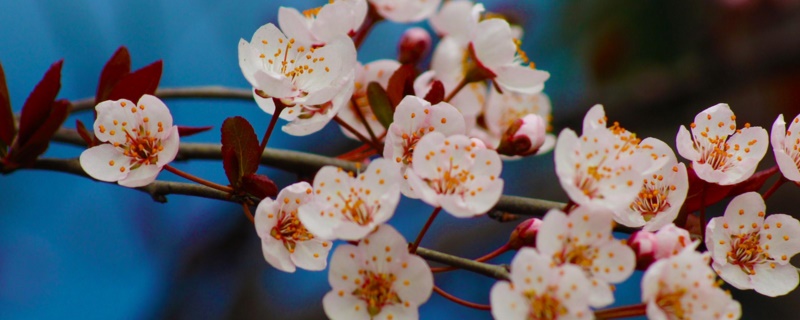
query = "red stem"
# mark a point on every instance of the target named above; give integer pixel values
(198, 179)
(425, 228)
(570, 205)
(461, 302)
(357, 134)
(247, 213)
(774, 187)
(464, 82)
(364, 120)
(485, 258)
(274, 120)
(622, 312)
(373, 17)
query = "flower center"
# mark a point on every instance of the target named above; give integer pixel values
(356, 209)
(409, 143)
(376, 290)
(140, 145)
(452, 179)
(580, 255)
(671, 303)
(290, 230)
(746, 252)
(545, 306)
(652, 198)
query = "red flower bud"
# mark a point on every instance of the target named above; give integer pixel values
(524, 235)
(414, 46)
(524, 137)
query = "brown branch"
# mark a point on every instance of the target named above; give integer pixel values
(203, 92)
(490, 270)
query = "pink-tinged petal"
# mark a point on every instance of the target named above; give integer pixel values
(311, 254)
(616, 262)
(594, 119)
(618, 191)
(487, 194)
(531, 270)
(589, 226)
(717, 240)
(566, 147)
(650, 281)
(654, 312)
(306, 126)
(421, 189)
(446, 60)
(339, 61)
(660, 154)
(171, 146)
(493, 43)
(425, 165)
(114, 118)
(508, 303)
(140, 176)
(105, 163)
(487, 163)
(381, 178)
(787, 165)
(345, 264)
(273, 85)
(573, 289)
(406, 11)
(414, 280)
(266, 217)
(295, 25)
(600, 293)
(156, 112)
(329, 22)
(340, 305)
(383, 247)
(782, 238)
(447, 119)
(749, 147)
(744, 211)
(685, 145)
(268, 105)
(550, 238)
(680, 180)
(351, 231)
(520, 79)
(733, 275)
(399, 311)
(773, 282)
(249, 61)
(548, 145)
(319, 218)
(778, 133)
(706, 172)
(277, 255)
(458, 19)
(709, 121)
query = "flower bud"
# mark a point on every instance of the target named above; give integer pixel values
(414, 46)
(524, 235)
(671, 241)
(645, 245)
(524, 137)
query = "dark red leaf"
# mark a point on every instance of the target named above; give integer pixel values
(37, 107)
(240, 149)
(25, 154)
(259, 185)
(715, 193)
(436, 94)
(138, 83)
(190, 131)
(87, 136)
(7, 129)
(401, 84)
(115, 69)
(754, 183)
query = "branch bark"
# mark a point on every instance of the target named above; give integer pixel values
(202, 92)
(490, 270)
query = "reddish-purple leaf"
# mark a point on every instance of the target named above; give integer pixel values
(6, 114)
(138, 83)
(754, 183)
(715, 193)
(87, 136)
(37, 107)
(401, 84)
(184, 132)
(436, 94)
(240, 149)
(25, 154)
(259, 185)
(115, 69)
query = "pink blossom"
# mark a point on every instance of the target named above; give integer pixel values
(540, 288)
(719, 152)
(525, 137)
(141, 140)
(455, 174)
(785, 148)
(349, 207)
(319, 25)
(583, 238)
(285, 241)
(458, 19)
(378, 279)
(406, 11)
(504, 110)
(666, 242)
(751, 252)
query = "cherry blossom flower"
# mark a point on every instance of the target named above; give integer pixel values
(504, 110)
(490, 53)
(314, 82)
(583, 238)
(406, 11)
(378, 279)
(458, 19)
(319, 25)
(751, 252)
(662, 192)
(141, 140)
(469, 101)
(377, 71)
(348, 207)
(541, 289)
(683, 287)
(719, 152)
(456, 174)
(603, 168)
(666, 242)
(285, 242)
(786, 149)
(414, 118)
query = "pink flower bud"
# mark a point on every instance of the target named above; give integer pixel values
(645, 245)
(524, 235)
(524, 137)
(414, 46)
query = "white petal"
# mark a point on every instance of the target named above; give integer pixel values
(277, 255)
(709, 121)
(549, 239)
(600, 294)
(295, 25)
(685, 145)
(344, 267)
(105, 163)
(506, 303)
(274, 85)
(114, 118)
(311, 254)
(521, 79)
(345, 307)
(745, 210)
(415, 281)
(140, 176)
(774, 282)
(733, 275)
(784, 241)
(399, 311)
(787, 165)
(493, 43)
(616, 262)
(171, 146)
(156, 112)
(266, 217)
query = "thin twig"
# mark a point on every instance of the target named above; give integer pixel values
(203, 92)
(490, 270)
(460, 301)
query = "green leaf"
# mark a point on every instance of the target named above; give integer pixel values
(380, 103)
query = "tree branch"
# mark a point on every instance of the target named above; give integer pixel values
(208, 92)
(490, 270)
